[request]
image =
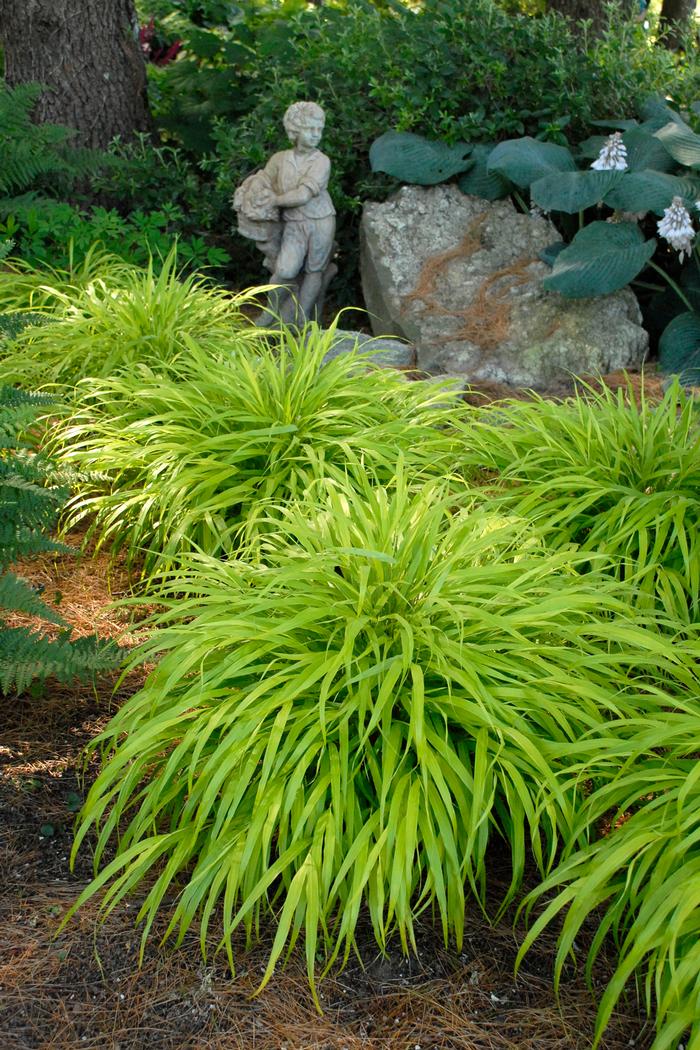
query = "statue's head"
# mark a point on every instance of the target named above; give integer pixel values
(306, 117)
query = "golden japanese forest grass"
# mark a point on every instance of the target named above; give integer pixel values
(371, 665)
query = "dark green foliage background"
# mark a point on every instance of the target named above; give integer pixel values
(454, 70)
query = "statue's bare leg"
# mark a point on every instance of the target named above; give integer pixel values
(299, 304)
(308, 293)
(326, 278)
(276, 300)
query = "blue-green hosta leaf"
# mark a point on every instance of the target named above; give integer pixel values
(656, 112)
(416, 160)
(666, 305)
(572, 191)
(651, 191)
(525, 160)
(615, 125)
(681, 142)
(591, 147)
(602, 258)
(552, 252)
(478, 182)
(679, 347)
(646, 152)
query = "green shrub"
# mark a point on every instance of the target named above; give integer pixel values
(154, 196)
(448, 70)
(350, 721)
(51, 232)
(29, 504)
(196, 451)
(115, 317)
(160, 194)
(619, 479)
(142, 175)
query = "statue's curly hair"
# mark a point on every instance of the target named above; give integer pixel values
(299, 113)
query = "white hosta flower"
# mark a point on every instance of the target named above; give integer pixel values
(677, 228)
(613, 156)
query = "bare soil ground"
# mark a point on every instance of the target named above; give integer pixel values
(83, 989)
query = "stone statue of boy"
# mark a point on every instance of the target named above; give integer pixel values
(287, 210)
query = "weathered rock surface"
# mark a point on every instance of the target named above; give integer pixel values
(387, 352)
(460, 278)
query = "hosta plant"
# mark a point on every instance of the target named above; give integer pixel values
(350, 720)
(617, 477)
(190, 454)
(646, 171)
(641, 881)
(114, 323)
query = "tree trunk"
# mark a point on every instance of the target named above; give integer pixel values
(592, 11)
(580, 10)
(87, 54)
(674, 22)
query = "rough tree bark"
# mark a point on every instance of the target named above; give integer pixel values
(88, 55)
(674, 22)
(578, 9)
(592, 11)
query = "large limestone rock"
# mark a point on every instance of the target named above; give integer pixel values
(460, 278)
(386, 353)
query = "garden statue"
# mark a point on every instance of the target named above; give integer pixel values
(287, 210)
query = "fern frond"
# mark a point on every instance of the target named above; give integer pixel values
(22, 542)
(31, 151)
(11, 396)
(16, 595)
(30, 495)
(11, 324)
(16, 105)
(29, 502)
(14, 421)
(23, 496)
(27, 656)
(18, 410)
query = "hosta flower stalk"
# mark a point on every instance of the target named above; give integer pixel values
(677, 228)
(613, 155)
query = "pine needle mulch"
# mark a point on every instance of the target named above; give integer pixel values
(84, 989)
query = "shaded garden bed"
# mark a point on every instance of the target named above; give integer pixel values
(84, 988)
